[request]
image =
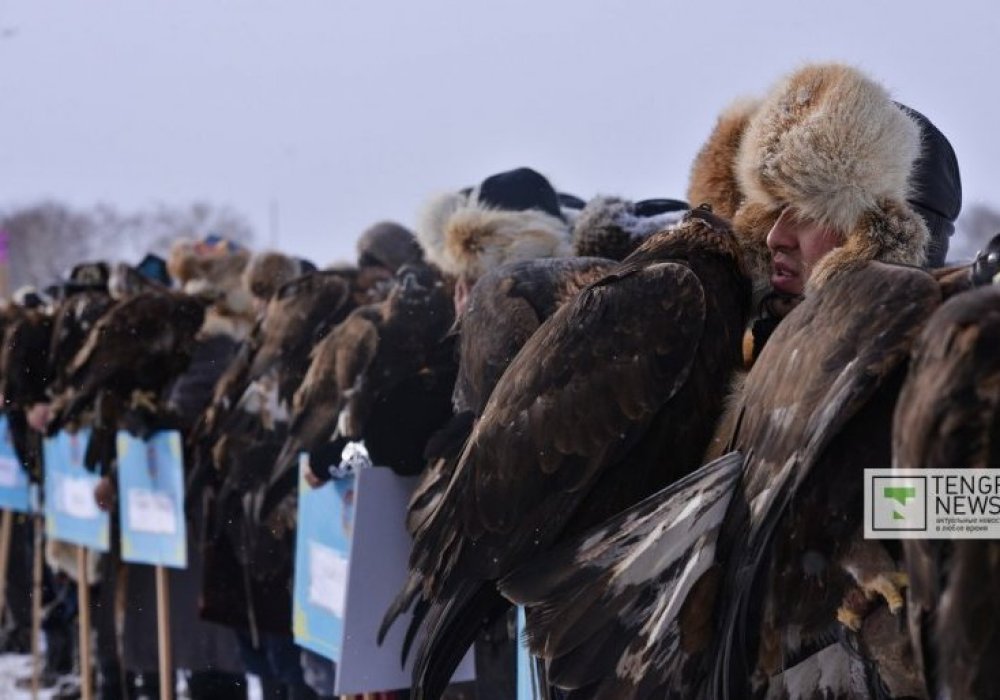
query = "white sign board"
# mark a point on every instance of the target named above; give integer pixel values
(375, 574)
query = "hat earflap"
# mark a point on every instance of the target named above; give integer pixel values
(891, 232)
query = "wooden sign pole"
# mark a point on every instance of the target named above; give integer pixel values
(36, 605)
(163, 633)
(6, 527)
(83, 596)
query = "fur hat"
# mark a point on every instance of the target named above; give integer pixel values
(212, 268)
(389, 245)
(570, 207)
(30, 297)
(713, 174)
(90, 274)
(84, 277)
(269, 270)
(829, 142)
(612, 227)
(511, 216)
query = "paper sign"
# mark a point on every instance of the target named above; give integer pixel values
(327, 578)
(75, 497)
(9, 472)
(353, 529)
(15, 489)
(71, 513)
(151, 485)
(151, 511)
(322, 552)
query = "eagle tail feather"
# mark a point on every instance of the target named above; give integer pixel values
(613, 602)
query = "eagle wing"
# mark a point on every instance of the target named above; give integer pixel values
(506, 306)
(577, 395)
(411, 329)
(820, 366)
(301, 312)
(24, 359)
(948, 416)
(130, 347)
(826, 359)
(582, 425)
(611, 611)
(71, 323)
(319, 400)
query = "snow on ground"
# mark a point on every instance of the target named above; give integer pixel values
(12, 668)
(15, 681)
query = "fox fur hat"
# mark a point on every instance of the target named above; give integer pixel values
(511, 216)
(829, 142)
(214, 267)
(268, 270)
(713, 173)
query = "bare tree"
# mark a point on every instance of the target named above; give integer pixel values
(46, 239)
(43, 240)
(154, 230)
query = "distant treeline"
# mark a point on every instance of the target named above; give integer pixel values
(43, 240)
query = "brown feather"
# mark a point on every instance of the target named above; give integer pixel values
(948, 416)
(815, 410)
(556, 450)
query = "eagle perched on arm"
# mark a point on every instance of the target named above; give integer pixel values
(948, 416)
(586, 420)
(817, 404)
(830, 148)
(397, 349)
(131, 348)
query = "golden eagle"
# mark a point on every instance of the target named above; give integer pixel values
(613, 397)
(735, 583)
(138, 345)
(948, 417)
(385, 360)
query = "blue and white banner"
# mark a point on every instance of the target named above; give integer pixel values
(71, 513)
(322, 552)
(15, 488)
(351, 559)
(151, 499)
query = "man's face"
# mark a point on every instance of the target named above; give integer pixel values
(796, 245)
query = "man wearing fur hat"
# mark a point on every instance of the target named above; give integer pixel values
(513, 215)
(823, 175)
(510, 216)
(268, 271)
(824, 171)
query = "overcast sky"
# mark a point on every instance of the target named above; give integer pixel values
(344, 113)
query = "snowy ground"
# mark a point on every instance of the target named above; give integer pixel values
(15, 681)
(15, 667)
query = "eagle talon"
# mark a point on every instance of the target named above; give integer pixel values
(889, 586)
(876, 577)
(855, 606)
(860, 601)
(851, 619)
